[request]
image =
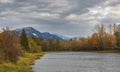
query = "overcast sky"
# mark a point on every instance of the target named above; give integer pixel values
(72, 18)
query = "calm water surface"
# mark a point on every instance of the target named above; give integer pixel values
(78, 62)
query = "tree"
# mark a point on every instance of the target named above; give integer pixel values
(56, 45)
(109, 41)
(9, 45)
(24, 41)
(34, 47)
(101, 31)
(111, 29)
(117, 34)
(41, 42)
(93, 42)
(84, 44)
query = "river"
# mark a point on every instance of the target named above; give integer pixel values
(78, 62)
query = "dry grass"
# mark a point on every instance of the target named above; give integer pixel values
(22, 65)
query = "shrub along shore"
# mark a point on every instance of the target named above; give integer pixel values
(23, 63)
(17, 52)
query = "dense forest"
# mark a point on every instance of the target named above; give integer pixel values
(12, 45)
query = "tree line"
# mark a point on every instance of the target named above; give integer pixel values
(12, 45)
(103, 38)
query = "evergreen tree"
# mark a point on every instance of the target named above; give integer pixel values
(24, 41)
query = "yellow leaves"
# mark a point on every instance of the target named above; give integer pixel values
(1, 36)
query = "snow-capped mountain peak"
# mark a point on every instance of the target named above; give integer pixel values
(30, 31)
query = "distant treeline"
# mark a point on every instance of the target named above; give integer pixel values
(101, 39)
(12, 45)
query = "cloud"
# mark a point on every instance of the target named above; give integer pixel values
(44, 15)
(67, 17)
(6, 1)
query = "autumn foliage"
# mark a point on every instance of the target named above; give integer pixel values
(9, 45)
(102, 39)
(12, 45)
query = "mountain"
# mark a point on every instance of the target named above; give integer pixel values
(33, 32)
(63, 37)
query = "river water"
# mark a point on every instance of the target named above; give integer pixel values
(78, 62)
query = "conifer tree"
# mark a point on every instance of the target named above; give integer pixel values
(24, 41)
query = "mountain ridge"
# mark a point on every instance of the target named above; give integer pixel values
(30, 31)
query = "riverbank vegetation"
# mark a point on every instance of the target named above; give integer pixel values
(22, 64)
(17, 52)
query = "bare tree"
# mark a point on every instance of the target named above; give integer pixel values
(100, 29)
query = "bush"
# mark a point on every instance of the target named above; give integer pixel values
(9, 49)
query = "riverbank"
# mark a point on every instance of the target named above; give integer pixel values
(104, 51)
(109, 51)
(98, 51)
(23, 64)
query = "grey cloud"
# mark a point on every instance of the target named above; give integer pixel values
(54, 15)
